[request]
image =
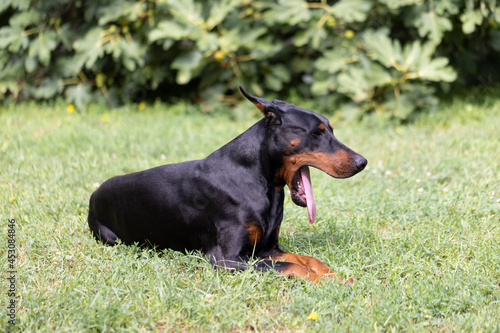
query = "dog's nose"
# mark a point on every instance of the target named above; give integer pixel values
(361, 162)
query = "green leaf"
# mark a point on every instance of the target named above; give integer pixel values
(352, 10)
(437, 70)
(288, 11)
(450, 6)
(130, 53)
(415, 54)
(89, 47)
(470, 19)
(433, 26)
(183, 76)
(262, 50)
(187, 10)
(422, 95)
(130, 10)
(412, 52)
(273, 83)
(279, 74)
(219, 11)
(208, 42)
(167, 44)
(9, 78)
(496, 14)
(401, 107)
(187, 60)
(382, 48)
(418, 60)
(354, 84)
(248, 38)
(4, 4)
(171, 29)
(374, 73)
(395, 4)
(24, 19)
(42, 46)
(323, 86)
(331, 62)
(8, 35)
(78, 95)
(11, 70)
(49, 87)
(350, 111)
(30, 64)
(185, 64)
(157, 75)
(67, 35)
(67, 66)
(234, 39)
(13, 39)
(230, 40)
(313, 36)
(22, 5)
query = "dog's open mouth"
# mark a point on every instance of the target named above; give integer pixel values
(302, 193)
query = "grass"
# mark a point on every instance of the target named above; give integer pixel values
(418, 230)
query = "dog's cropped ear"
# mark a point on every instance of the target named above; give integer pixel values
(261, 103)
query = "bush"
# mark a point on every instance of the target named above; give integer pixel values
(387, 56)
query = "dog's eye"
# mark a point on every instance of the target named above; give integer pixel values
(318, 132)
(320, 129)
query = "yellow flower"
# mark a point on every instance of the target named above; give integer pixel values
(349, 34)
(142, 105)
(219, 55)
(312, 316)
(12, 199)
(70, 108)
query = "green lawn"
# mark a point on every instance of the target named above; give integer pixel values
(418, 230)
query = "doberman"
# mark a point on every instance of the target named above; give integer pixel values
(230, 204)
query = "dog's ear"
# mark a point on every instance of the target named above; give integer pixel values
(262, 104)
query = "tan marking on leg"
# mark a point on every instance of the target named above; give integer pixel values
(254, 234)
(309, 268)
(296, 270)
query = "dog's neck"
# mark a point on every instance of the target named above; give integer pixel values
(251, 150)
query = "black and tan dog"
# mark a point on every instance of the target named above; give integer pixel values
(230, 204)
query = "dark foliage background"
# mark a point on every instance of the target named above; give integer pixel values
(392, 57)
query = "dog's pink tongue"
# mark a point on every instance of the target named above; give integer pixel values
(306, 182)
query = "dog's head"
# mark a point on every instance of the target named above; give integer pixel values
(299, 138)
